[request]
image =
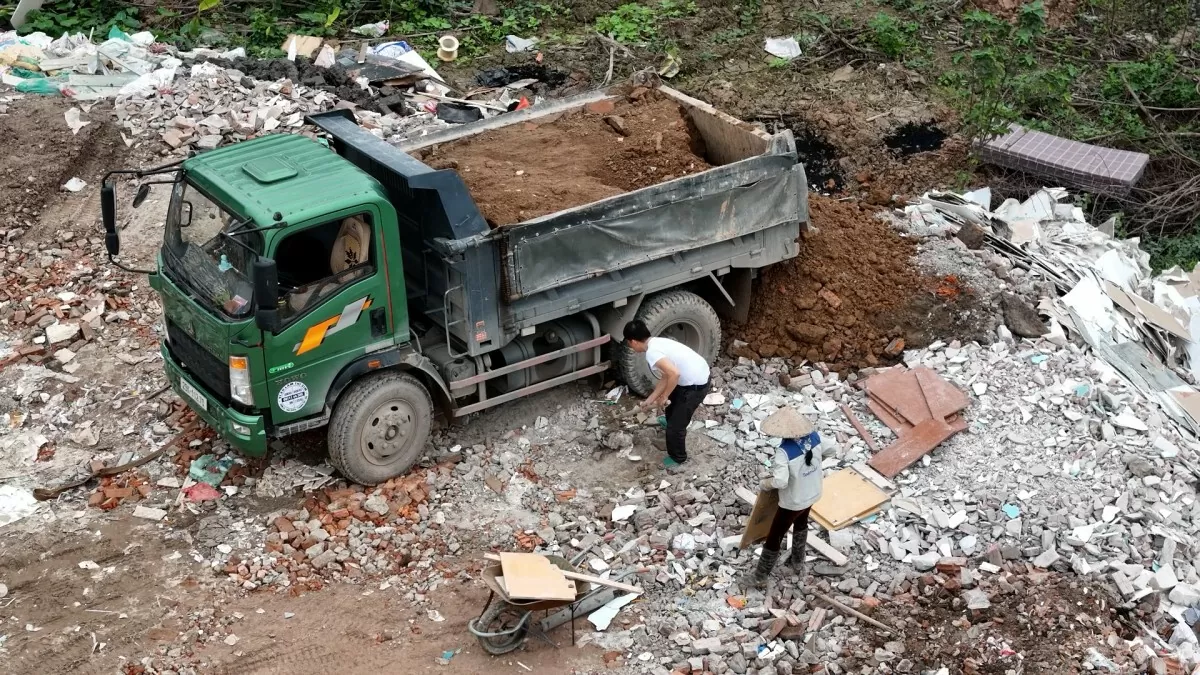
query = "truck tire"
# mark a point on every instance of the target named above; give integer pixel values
(679, 315)
(379, 427)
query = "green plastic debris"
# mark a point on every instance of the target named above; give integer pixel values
(41, 85)
(27, 74)
(209, 469)
(118, 34)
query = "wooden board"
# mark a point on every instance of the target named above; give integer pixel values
(944, 399)
(832, 554)
(816, 518)
(911, 446)
(888, 417)
(845, 497)
(583, 577)
(898, 389)
(858, 426)
(529, 576)
(759, 525)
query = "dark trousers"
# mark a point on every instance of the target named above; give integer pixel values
(798, 520)
(684, 401)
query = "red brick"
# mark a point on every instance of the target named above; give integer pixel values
(284, 525)
(604, 107)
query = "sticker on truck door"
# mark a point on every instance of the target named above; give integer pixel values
(317, 334)
(293, 396)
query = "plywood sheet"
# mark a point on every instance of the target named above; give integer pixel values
(913, 445)
(759, 525)
(845, 497)
(529, 576)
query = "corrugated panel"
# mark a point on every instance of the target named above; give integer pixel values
(1071, 163)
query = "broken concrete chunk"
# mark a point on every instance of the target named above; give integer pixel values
(61, 332)
(149, 513)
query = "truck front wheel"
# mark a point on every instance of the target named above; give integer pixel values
(682, 316)
(379, 427)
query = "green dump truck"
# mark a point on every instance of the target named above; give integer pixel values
(345, 283)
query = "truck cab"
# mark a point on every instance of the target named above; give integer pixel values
(328, 228)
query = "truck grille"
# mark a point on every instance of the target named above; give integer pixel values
(199, 362)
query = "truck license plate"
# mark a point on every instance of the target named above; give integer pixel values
(194, 394)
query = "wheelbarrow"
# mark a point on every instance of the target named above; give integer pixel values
(505, 623)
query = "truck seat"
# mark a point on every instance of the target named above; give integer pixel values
(352, 245)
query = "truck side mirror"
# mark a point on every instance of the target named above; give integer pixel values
(108, 213)
(143, 191)
(266, 295)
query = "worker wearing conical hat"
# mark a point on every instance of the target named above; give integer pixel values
(796, 474)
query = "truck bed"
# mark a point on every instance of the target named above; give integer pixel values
(520, 172)
(483, 286)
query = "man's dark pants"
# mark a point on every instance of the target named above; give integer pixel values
(684, 401)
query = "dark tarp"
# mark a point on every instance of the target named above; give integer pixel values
(726, 202)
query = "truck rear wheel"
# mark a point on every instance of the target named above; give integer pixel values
(682, 316)
(380, 427)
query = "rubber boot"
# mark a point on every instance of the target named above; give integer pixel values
(766, 562)
(798, 556)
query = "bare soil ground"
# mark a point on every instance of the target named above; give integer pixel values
(1037, 622)
(524, 171)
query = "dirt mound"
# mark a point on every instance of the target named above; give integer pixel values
(42, 154)
(528, 170)
(1037, 622)
(822, 305)
(852, 291)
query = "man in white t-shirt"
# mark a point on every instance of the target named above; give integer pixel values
(682, 384)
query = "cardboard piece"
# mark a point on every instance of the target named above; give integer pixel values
(306, 45)
(759, 525)
(846, 497)
(529, 576)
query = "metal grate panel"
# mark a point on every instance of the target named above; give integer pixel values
(199, 362)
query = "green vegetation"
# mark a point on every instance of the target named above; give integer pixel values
(894, 37)
(65, 16)
(634, 23)
(264, 26)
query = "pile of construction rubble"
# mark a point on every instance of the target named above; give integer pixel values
(204, 98)
(1064, 468)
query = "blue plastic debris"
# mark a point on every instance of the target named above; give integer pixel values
(1010, 510)
(737, 404)
(1039, 358)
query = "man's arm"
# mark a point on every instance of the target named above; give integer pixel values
(666, 383)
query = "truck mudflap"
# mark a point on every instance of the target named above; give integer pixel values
(247, 433)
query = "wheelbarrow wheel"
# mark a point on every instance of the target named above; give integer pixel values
(498, 618)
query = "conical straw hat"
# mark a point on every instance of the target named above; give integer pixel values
(787, 423)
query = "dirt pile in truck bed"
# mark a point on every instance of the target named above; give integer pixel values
(528, 170)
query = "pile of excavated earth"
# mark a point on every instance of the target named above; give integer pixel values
(1055, 534)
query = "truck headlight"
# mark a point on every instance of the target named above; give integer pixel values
(239, 380)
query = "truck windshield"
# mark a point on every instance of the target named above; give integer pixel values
(214, 267)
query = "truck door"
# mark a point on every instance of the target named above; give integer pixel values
(334, 306)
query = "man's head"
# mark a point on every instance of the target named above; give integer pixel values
(637, 335)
